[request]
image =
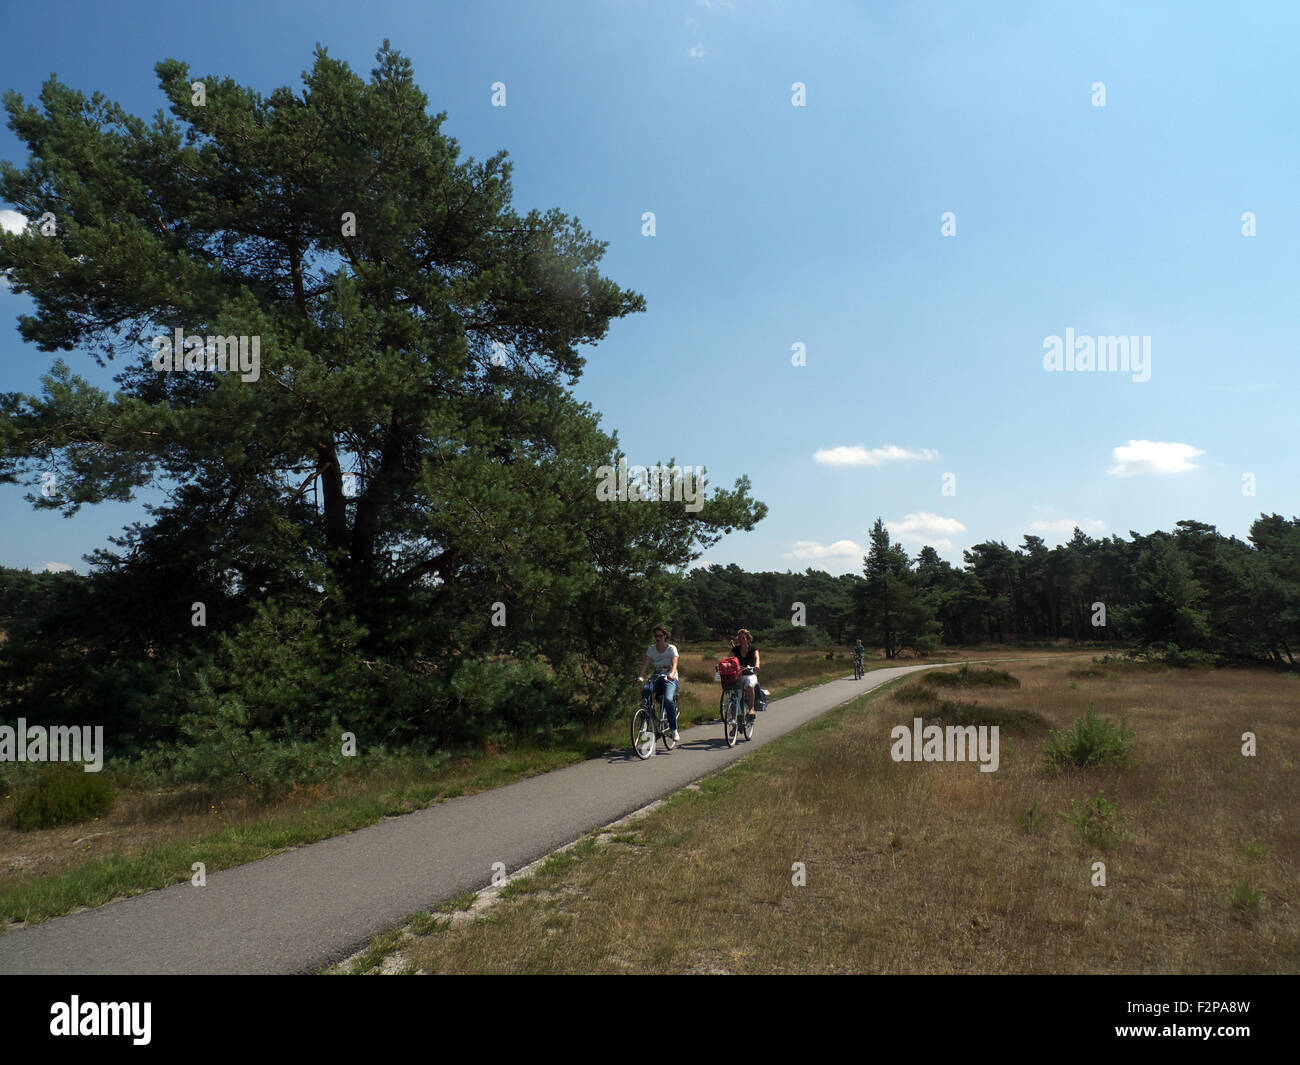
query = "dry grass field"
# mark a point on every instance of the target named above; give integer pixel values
(937, 867)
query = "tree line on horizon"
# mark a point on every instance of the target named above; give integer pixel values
(272, 695)
(1192, 592)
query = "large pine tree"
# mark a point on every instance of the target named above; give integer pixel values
(406, 464)
(892, 607)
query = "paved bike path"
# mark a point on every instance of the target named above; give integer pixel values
(306, 908)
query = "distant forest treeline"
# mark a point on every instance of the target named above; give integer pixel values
(266, 696)
(1194, 590)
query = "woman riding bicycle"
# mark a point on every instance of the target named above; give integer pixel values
(748, 656)
(661, 657)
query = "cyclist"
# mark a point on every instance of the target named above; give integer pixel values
(858, 653)
(661, 657)
(748, 655)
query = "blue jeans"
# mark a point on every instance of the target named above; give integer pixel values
(666, 689)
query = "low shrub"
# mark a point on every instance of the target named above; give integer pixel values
(1097, 821)
(974, 713)
(1093, 741)
(63, 795)
(1191, 659)
(967, 677)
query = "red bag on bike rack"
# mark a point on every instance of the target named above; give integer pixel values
(729, 669)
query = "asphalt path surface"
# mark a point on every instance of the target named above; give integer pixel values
(306, 908)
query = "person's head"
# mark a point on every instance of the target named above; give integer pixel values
(661, 633)
(744, 638)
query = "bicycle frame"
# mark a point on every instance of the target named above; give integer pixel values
(654, 699)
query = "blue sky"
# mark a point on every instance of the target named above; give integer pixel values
(822, 225)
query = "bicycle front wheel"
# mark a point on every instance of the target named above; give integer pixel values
(643, 733)
(731, 722)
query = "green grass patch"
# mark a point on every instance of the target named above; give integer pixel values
(423, 924)
(457, 903)
(1244, 899)
(379, 949)
(1032, 819)
(1254, 850)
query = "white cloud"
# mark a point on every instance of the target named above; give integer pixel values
(1064, 528)
(877, 456)
(809, 549)
(55, 567)
(925, 528)
(696, 51)
(1149, 456)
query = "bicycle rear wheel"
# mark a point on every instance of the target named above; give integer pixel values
(749, 721)
(643, 733)
(669, 742)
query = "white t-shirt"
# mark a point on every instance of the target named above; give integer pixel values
(662, 663)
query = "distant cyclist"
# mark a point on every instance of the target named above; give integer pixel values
(859, 652)
(661, 657)
(748, 655)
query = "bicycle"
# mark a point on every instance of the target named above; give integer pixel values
(650, 724)
(857, 667)
(735, 712)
